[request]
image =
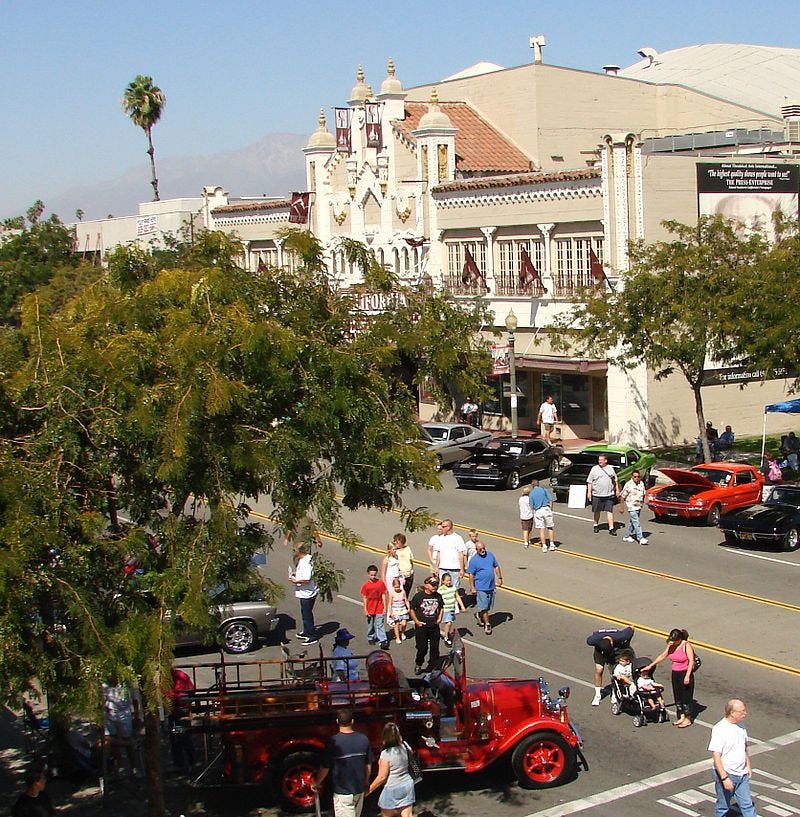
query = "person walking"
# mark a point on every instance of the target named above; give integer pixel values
(632, 495)
(484, 577)
(449, 553)
(398, 796)
(432, 543)
(547, 419)
(525, 516)
(305, 591)
(681, 656)
(602, 490)
(373, 593)
(731, 761)
(607, 644)
(541, 502)
(348, 759)
(426, 611)
(405, 561)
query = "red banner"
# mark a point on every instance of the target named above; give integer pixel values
(342, 118)
(596, 268)
(298, 209)
(528, 274)
(373, 124)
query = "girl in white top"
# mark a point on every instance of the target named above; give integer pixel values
(390, 567)
(398, 609)
(526, 515)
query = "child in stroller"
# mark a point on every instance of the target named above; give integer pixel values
(644, 700)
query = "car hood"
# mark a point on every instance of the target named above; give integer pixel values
(489, 454)
(766, 514)
(681, 477)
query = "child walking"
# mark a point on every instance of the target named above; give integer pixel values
(452, 606)
(373, 591)
(398, 609)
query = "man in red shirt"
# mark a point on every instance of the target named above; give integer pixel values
(373, 592)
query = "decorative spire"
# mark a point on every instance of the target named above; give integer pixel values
(390, 67)
(360, 75)
(359, 91)
(391, 86)
(322, 122)
(434, 96)
(322, 138)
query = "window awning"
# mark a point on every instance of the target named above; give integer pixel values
(560, 364)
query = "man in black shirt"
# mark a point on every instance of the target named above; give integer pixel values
(348, 758)
(34, 801)
(426, 610)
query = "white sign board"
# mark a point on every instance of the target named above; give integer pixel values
(145, 225)
(577, 496)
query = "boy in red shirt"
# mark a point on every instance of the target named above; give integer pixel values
(374, 593)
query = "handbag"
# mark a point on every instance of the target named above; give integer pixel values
(697, 663)
(413, 764)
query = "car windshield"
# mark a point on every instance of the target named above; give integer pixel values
(590, 458)
(713, 475)
(784, 496)
(437, 432)
(511, 447)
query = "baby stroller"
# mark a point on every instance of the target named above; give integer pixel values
(632, 701)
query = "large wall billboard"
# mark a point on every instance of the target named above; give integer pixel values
(748, 192)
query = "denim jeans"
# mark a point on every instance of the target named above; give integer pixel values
(741, 791)
(634, 528)
(307, 614)
(376, 628)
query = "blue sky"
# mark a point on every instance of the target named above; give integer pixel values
(233, 71)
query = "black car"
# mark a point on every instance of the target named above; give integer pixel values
(505, 462)
(774, 521)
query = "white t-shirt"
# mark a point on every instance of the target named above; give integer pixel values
(449, 547)
(548, 412)
(525, 510)
(624, 671)
(303, 571)
(730, 741)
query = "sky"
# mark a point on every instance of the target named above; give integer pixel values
(234, 71)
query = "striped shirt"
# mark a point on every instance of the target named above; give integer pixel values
(448, 595)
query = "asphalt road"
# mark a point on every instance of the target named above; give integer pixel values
(740, 607)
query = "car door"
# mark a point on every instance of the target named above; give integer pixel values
(534, 457)
(745, 491)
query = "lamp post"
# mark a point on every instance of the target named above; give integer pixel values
(511, 325)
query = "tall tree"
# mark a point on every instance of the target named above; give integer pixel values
(679, 305)
(143, 102)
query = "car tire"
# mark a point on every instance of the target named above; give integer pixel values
(714, 513)
(552, 469)
(543, 760)
(512, 481)
(791, 541)
(730, 538)
(238, 637)
(294, 781)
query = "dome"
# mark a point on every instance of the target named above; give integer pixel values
(322, 137)
(391, 85)
(435, 117)
(359, 92)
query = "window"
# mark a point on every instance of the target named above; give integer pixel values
(573, 265)
(456, 258)
(744, 478)
(570, 394)
(509, 256)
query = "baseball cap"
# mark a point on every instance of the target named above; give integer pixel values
(344, 634)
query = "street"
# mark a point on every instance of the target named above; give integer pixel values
(738, 606)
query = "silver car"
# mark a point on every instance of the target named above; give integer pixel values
(243, 620)
(453, 442)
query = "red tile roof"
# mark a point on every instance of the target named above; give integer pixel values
(518, 180)
(479, 147)
(252, 206)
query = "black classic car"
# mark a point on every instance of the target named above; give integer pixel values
(506, 461)
(775, 521)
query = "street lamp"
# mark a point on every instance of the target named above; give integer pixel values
(511, 325)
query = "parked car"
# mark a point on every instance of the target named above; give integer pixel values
(244, 618)
(450, 442)
(775, 521)
(623, 459)
(505, 462)
(705, 491)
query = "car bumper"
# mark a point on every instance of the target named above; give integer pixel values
(754, 536)
(482, 481)
(683, 512)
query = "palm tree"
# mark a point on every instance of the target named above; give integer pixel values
(143, 103)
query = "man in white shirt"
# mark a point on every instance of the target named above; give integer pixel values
(728, 747)
(432, 545)
(449, 553)
(548, 417)
(633, 496)
(305, 591)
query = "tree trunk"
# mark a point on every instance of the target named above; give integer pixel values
(701, 420)
(152, 763)
(151, 154)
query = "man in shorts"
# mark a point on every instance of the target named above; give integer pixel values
(484, 578)
(602, 491)
(541, 502)
(607, 644)
(548, 417)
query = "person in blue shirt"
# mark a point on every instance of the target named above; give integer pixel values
(484, 578)
(542, 503)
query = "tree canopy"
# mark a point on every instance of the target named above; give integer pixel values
(143, 102)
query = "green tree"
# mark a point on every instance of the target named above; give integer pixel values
(172, 392)
(679, 306)
(143, 103)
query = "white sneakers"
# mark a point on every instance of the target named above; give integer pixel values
(596, 699)
(643, 540)
(628, 539)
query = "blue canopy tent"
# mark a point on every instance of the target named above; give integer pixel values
(786, 407)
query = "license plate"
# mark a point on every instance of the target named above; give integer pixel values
(745, 535)
(484, 467)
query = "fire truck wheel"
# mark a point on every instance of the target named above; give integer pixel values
(542, 760)
(238, 637)
(295, 781)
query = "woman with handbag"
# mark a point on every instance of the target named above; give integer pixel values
(682, 657)
(394, 774)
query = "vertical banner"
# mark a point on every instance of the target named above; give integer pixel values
(750, 193)
(342, 117)
(298, 209)
(373, 123)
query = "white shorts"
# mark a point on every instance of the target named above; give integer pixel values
(348, 805)
(543, 517)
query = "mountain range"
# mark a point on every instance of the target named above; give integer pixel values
(272, 166)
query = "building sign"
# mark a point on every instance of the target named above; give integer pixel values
(733, 375)
(748, 192)
(500, 359)
(146, 225)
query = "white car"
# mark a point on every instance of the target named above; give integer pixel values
(453, 442)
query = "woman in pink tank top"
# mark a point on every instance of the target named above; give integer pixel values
(681, 657)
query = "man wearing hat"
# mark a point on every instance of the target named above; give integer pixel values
(345, 666)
